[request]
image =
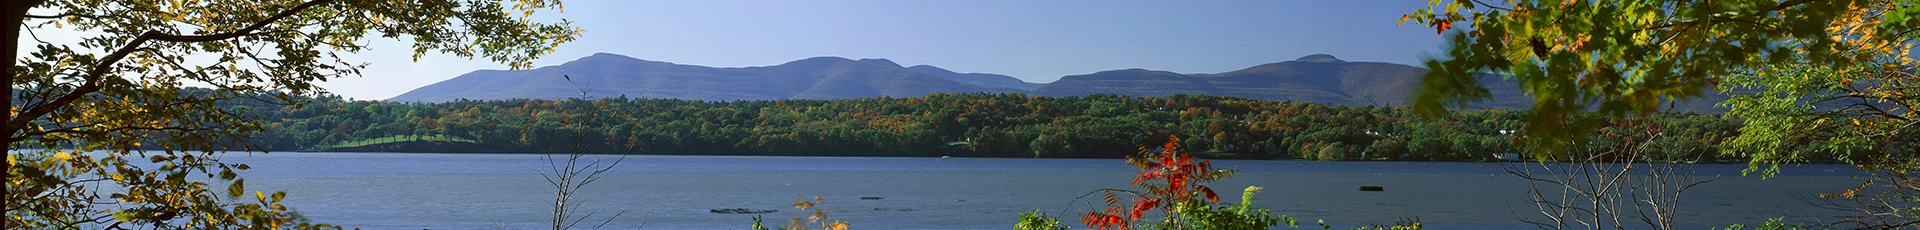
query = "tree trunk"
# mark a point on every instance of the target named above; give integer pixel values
(13, 15)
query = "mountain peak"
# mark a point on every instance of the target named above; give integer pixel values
(607, 55)
(824, 58)
(816, 62)
(1134, 71)
(616, 59)
(881, 62)
(928, 68)
(1320, 58)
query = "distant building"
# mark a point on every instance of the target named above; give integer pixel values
(1507, 156)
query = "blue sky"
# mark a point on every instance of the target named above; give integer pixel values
(1038, 41)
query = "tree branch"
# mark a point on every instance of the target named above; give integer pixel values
(94, 76)
(1491, 6)
(237, 33)
(57, 16)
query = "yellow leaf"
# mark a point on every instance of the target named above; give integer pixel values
(239, 185)
(63, 156)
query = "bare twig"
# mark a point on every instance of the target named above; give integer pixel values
(1606, 184)
(568, 177)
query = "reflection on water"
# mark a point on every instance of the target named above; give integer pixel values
(475, 191)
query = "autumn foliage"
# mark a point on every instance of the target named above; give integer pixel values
(1167, 177)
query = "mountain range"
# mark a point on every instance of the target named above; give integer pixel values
(611, 75)
(1317, 78)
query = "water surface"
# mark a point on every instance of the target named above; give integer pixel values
(489, 191)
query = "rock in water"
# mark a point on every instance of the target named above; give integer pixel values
(742, 211)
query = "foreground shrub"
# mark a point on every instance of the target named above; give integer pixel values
(1196, 215)
(1035, 220)
(1173, 182)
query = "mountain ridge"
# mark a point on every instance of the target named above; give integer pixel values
(611, 75)
(1316, 78)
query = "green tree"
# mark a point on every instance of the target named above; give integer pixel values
(1388, 148)
(1866, 117)
(1586, 61)
(107, 104)
(1807, 78)
(1332, 152)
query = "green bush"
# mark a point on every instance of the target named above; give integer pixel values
(1195, 214)
(1034, 220)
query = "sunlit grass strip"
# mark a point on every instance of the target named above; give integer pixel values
(400, 138)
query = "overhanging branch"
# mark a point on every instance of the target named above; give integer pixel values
(94, 76)
(57, 16)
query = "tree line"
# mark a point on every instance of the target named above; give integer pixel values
(973, 124)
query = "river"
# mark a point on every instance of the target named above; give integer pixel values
(506, 191)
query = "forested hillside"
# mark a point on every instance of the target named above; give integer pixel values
(985, 125)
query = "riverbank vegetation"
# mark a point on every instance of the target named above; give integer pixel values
(979, 125)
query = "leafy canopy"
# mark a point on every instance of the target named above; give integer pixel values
(122, 105)
(1584, 61)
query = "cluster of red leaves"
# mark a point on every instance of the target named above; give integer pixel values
(1441, 26)
(1168, 176)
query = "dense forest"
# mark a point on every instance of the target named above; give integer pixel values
(975, 125)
